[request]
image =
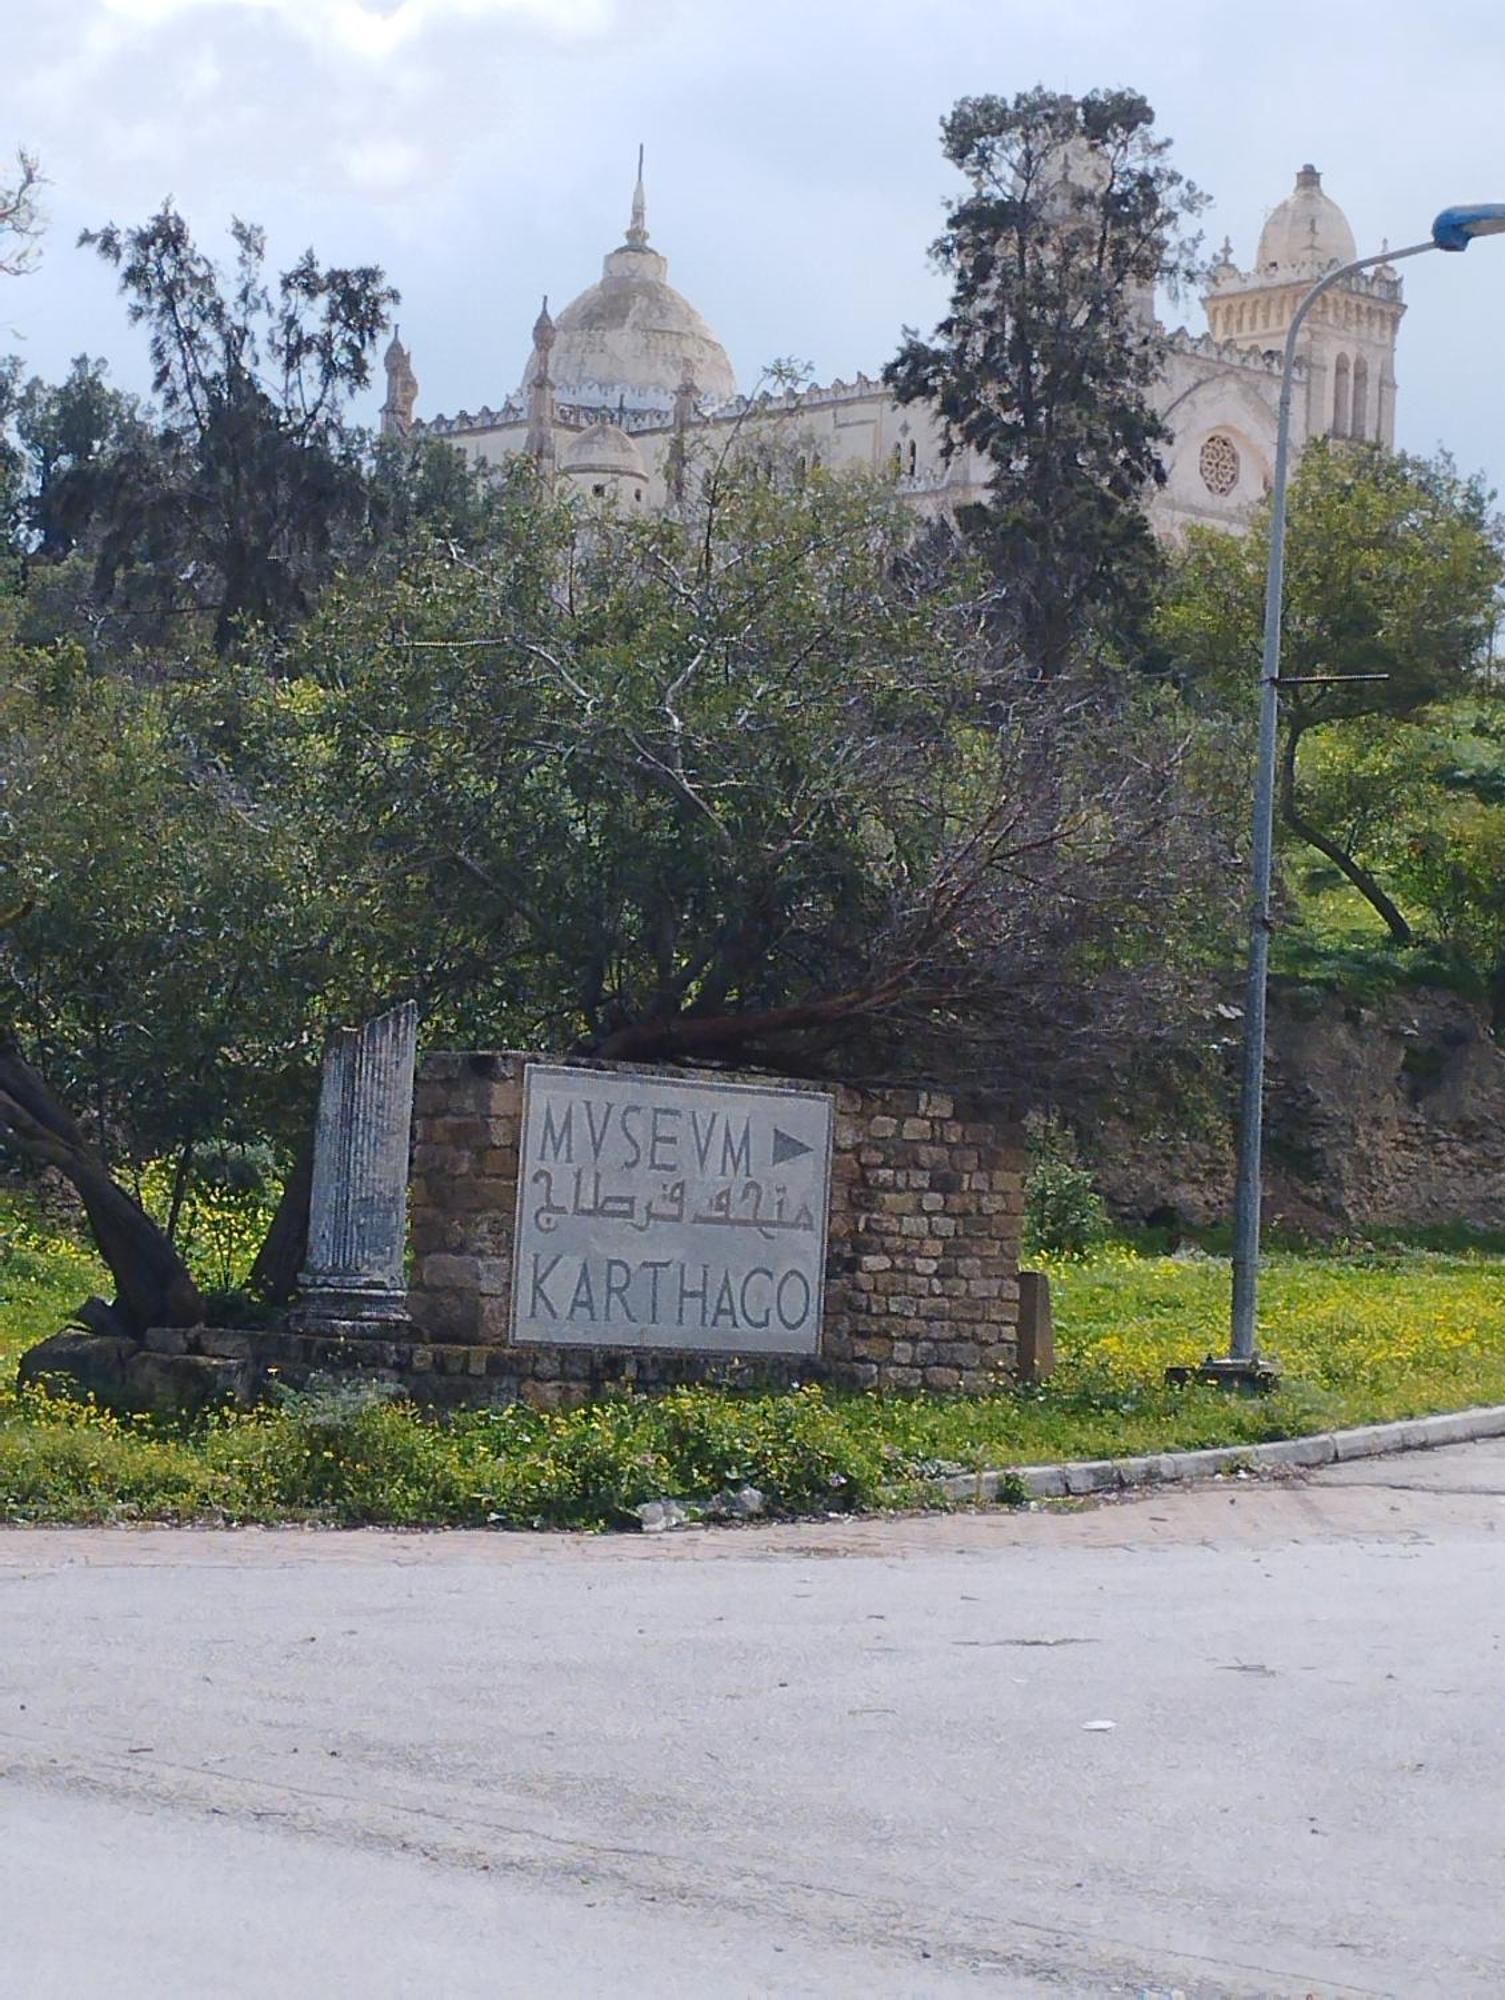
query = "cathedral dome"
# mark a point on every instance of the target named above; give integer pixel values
(630, 340)
(1308, 233)
(604, 449)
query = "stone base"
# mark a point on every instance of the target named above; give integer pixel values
(320, 1325)
(173, 1369)
(325, 1309)
(190, 1368)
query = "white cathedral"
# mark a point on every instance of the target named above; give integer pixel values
(620, 382)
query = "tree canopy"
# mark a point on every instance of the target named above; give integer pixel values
(1393, 570)
(1045, 360)
(237, 502)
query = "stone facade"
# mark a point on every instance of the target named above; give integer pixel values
(630, 355)
(922, 1273)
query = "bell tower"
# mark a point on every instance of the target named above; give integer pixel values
(1349, 338)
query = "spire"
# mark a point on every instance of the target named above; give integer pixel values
(543, 329)
(637, 229)
(402, 388)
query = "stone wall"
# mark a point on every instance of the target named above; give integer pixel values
(922, 1267)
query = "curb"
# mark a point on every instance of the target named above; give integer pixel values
(1117, 1475)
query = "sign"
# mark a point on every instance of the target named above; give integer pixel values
(655, 1212)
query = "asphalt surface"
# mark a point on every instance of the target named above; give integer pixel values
(837, 1758)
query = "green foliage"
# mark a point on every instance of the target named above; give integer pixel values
(20, 216)
(162, 955)
(1046, 360)
(241, 500)
(1063, 1212)
(46, 1270)
(218, 1204)
(755, 782)
(69, 438)
(357, 1456)
(1393, 569)
(1364, 1333)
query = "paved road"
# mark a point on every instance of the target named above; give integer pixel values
(848, 1758)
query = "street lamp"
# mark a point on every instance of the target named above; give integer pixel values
(1454, 229)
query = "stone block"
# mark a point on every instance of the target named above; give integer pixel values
(494, 1320)
(225, 1342)
(175, 1382)
(446, 1272)
(446, 1315)
(902, 1378)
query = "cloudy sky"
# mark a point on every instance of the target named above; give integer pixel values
(482, 151)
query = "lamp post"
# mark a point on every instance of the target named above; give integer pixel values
(1454, 229)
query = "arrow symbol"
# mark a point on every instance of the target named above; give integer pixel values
(787, 1147)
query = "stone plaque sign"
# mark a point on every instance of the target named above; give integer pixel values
(655, 1212)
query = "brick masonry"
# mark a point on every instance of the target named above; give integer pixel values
(922, 1279)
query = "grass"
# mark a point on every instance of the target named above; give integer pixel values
(1362, 1334)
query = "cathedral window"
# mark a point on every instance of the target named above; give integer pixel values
(1340, 398)
(1218, 464)
(1360, 427)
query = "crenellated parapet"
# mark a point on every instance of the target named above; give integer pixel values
(1229, 354)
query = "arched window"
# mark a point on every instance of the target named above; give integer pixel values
(1360, 425)
(1340, 398)
(914, 457)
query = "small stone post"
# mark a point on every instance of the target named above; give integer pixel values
(1037, 1339)
(358, 1209)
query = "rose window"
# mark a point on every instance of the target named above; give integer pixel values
(1218, 464)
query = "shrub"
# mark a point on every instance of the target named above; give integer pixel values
(1064, 1214)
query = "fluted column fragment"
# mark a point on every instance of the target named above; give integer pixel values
(358, 1211)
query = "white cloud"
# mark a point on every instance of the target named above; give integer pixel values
(375, 29)
(381, 166)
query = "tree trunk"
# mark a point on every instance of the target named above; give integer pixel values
(1352, 871)
(709, 1035)
(153, 1284)
(274, 1275)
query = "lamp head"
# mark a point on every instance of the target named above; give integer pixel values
(1456, 228)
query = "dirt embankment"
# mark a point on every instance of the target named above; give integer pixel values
(1388, 1115)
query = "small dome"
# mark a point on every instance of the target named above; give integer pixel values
(604, 449)
(1308, 233)
(632, 339)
